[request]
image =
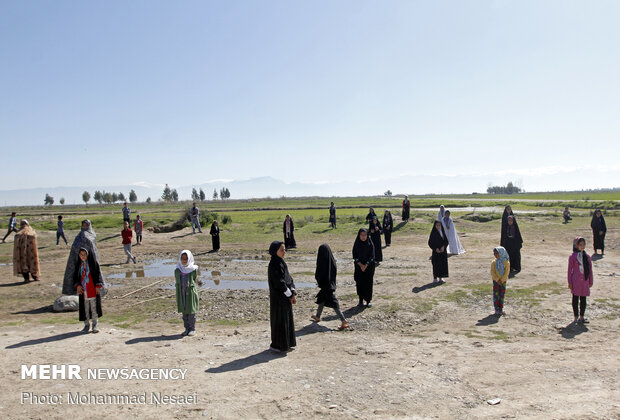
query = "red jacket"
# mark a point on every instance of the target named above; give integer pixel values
(126, 234)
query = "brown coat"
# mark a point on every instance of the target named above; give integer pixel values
(25, 253)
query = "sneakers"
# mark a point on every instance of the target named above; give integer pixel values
(192, 332)
(134, 260)
(95, 329)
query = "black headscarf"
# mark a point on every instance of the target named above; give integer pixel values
(273, 248)
(598, 224)
(435, 239)
(363, 251)
(326, 268)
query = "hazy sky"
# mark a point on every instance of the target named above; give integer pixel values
(117, 92)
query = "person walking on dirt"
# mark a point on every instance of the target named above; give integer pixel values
(12, 226)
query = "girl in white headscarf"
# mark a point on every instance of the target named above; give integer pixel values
(186, 281)
(454, 247)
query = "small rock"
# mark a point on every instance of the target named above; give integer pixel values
(494, 401)
(333, 406)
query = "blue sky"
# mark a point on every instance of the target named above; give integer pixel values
(110, 93)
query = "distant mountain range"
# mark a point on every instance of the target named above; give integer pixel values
(577, 179)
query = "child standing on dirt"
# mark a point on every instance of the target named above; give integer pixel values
(185, 276)
(500, 269)
(60, 231)
(88, 284)
(580, 278)
(127, 234)
(138, 228)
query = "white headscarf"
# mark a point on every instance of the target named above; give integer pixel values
(442, 212)
(186, 269)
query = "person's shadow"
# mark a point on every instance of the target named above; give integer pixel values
(427, 286)
(182, 236)
(154, 338)
(572, 330)
(264, 356)
(399, 226)
(42, 310)
(44, 340)
(488, 320)
(597, 257)
(351, 312)
(17, 283)
(109, 237)
(313, 328)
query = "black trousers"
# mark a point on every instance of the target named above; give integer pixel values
(579, 305)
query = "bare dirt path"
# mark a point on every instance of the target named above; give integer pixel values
(420, 352)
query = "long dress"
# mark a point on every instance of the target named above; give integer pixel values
(280, 306)
(97, 281)
(388, 227)
(332, 216)
(598, 225)
(375, 236)
(325, 275)
(513, 243)
(289, 234)
(364, 252)
(406, 209)
(454, 246)
(215, 236)
(85, 239)
(505, 216)
(26, 254)
(437, 240)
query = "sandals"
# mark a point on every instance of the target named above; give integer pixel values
(315, 318)
(343, 327)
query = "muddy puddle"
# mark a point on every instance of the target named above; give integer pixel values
(212, 279)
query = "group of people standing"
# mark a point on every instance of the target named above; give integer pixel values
(83, 273)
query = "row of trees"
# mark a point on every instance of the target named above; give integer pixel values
(169, 195)
(508, 189)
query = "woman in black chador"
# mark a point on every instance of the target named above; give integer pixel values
(388, 227)
(325, 275)
(282, 296)
(332, 215)
(375, 235)
(289, 232)
(599, 229)
(406, 209)
(512, 241)
(507, 212)
(215, 235)
(438, 242)
(364, 260)
(371, 214)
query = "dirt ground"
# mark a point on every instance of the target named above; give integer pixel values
(420, 352)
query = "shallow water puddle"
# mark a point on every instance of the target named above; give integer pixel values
(212, 279)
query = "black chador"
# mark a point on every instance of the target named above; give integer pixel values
(438, 242)
(215, 235)
(375, 236)
(364, 256)
(288, 228)
(281, 289)
(371, 215)
(513, 242)
(599, 230)
(332, 216)
(388, 227)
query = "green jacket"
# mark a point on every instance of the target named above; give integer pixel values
(191, 295)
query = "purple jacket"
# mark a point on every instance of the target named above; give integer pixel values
(581, 285)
